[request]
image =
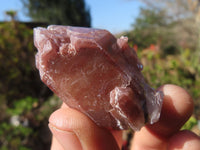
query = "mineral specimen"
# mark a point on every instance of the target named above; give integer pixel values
(97, 74)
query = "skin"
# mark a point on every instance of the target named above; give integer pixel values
(73, 130)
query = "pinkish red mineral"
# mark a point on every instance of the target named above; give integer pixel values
(97, 74)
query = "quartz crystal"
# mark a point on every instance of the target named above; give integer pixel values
(97, 74)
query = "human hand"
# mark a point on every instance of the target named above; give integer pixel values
(72, 130)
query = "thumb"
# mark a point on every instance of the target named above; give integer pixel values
(74, 130)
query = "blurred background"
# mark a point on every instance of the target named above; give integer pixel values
(165, 34)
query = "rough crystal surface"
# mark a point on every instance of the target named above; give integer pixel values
(97, 74)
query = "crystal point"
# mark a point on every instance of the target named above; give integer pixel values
(97, 74)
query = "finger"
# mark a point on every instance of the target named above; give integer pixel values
(116, 133)
(74, 130)
(60, 136)
(184, 140)
(177, 108)
(56, 145)
(64, 139)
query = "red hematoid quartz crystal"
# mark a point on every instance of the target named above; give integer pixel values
(97, 74)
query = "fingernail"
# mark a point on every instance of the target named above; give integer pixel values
(67, 139)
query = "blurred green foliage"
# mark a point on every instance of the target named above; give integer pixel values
(26, 124)
(154, 26)
(18, 75)
(22, 106)
(62, 12)
(168, 48)
(14, 137)
(147, 27)
(172, 69)
(190, 124)
(23, 97)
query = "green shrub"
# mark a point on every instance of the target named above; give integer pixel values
(190, 124)
(27, 123)
(22, 106)
(177, 69)
(18, 75)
